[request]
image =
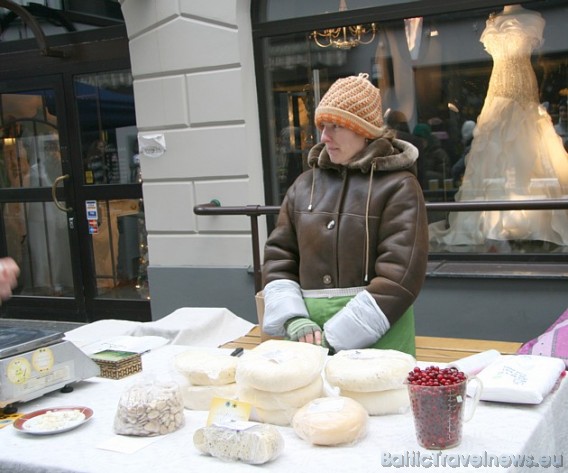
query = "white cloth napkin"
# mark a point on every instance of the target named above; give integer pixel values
(473, 364)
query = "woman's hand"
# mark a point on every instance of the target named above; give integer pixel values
(302, 329)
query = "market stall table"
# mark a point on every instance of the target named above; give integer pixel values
(496, 429)
(429, 349)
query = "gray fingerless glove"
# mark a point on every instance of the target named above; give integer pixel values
(300, 327)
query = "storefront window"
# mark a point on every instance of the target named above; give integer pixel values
(481, 93)
(279, 10)
(105, 103)
(56, 17)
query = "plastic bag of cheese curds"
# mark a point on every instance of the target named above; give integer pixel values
(151, 406)
(248, 442)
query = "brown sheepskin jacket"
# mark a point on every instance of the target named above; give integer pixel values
(359, 225)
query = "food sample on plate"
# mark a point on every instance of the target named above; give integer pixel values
(55, 420)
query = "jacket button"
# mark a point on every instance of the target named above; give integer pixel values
(327, 279)
(331, 225)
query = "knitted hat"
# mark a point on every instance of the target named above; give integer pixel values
(354, 103)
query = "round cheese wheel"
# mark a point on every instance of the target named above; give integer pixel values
(198, 398)
(369, 369)
(283, 400)
(331, 421)
(206, 368)
(282, 417)
(380, 403)
(280, 365)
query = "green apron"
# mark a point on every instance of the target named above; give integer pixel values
(401, 335)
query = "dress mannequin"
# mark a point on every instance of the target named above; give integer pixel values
(515, 153)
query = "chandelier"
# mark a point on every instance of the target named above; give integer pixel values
(344, 37)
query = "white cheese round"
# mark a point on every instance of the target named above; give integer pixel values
(206, 368)
(282, 417)
(331, 421)
(283, 400)
(198, 398)
(369, 369)
(380, 403)
(280, 365)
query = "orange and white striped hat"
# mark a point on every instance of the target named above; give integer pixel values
(354, 103)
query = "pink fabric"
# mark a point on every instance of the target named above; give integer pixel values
(553, 342)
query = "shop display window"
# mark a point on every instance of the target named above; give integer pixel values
(482, 93)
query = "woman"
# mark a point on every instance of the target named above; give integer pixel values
(348, 255)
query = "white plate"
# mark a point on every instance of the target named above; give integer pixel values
(64, 418)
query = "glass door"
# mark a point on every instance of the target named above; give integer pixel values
(109, 188)
(70, 194)
(32, 166)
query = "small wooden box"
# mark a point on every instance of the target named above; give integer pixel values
(117, 364)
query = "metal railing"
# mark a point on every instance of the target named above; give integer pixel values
(254, 211)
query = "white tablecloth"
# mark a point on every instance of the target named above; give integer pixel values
(193, 326)
(496, 429)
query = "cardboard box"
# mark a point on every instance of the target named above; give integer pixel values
(259, 299)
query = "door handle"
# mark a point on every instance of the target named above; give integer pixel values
(58, 204)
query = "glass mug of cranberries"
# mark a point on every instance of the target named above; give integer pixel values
(437, 397)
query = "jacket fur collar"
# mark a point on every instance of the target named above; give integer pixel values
(386, 154)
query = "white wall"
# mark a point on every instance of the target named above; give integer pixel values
(194, 82)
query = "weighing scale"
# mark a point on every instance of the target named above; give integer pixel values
(34, 362)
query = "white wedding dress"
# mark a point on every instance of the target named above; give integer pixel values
(515, 153)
